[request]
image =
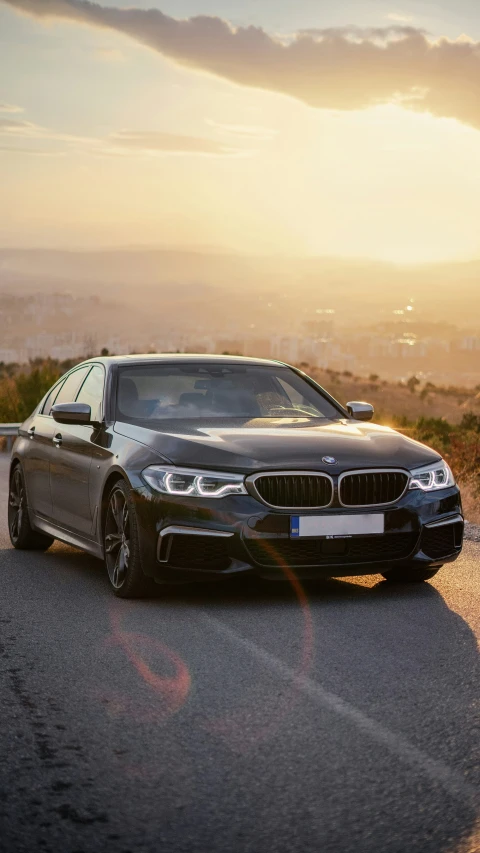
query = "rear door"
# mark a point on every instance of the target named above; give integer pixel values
(72, 458)
(36, 460)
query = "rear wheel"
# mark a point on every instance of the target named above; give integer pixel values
(410, 575)
(22, 535)
(121, 546)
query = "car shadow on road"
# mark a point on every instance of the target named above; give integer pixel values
(397, 654)
(239, 589)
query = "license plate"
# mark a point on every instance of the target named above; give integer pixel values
(331, 526)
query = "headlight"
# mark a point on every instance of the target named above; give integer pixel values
(430, 477)
(191, 483)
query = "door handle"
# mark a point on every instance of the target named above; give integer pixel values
(31, 432)
(57, 440)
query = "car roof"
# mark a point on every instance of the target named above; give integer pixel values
(178, 358)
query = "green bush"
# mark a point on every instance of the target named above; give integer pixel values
(23, 388)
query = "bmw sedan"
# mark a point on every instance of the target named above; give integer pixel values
(173, 468)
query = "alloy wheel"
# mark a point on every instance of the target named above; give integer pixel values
(117, 538)
(16, 504)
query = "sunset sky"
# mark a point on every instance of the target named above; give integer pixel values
(320, 127)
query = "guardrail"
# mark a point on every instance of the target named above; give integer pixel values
(10, 432)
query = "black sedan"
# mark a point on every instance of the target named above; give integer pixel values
(174, 468)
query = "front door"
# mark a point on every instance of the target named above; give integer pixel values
(70, 462)
(71, 459)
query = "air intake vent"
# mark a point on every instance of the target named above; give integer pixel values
(438, 542)
(372, 488)
(295, 491)
(183, 551)
(317, 552)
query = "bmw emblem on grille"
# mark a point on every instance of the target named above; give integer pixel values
(329, 460)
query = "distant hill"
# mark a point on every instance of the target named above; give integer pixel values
(359, 290)
(395, 400)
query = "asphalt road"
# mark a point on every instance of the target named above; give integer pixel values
(336, 718)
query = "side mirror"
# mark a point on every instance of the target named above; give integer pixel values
(360, 411)
(71, 413)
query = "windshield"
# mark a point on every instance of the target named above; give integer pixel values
(172, 391)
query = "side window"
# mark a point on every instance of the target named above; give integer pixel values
(51, 398)
(72, 383)
(91, 391)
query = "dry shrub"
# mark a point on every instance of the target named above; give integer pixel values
(463, 456)
(470, 500)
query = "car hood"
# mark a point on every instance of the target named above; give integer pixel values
(264, 444)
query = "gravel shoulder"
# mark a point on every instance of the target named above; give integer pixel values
(472, 532)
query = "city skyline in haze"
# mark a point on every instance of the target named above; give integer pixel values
(349, 129)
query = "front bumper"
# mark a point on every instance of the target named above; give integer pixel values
(184, 539)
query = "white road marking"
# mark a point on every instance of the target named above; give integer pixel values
(438, 772)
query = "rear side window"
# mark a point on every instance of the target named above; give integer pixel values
(51, 398)
(72, 383)
(91, 391)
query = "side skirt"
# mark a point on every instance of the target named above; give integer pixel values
(67, 537)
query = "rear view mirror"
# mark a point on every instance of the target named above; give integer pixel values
(360, 411)
(71, 413)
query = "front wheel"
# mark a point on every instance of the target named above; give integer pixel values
(22, 535)
(410, 575)
(121, 545)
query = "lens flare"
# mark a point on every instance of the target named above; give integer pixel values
(148, 656)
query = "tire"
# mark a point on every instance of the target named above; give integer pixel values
(122, 547)
(410, 575)
(22, 535)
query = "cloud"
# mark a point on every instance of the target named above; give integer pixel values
(10, 108)
(35, 152)
(242, 130)
(121, 142)
(359, 34)
(344, 69)
(17, 127)
(152, 141)
(401, 19)
(110, 54)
